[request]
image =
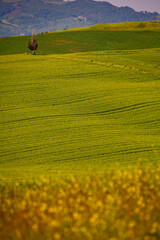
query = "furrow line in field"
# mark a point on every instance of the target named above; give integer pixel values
(42, 147)
(129, 108)
(110, 111)
(120, 152)
(80, 75)
(144, 122)
(76, 101)
(62, 154)
(112, 64)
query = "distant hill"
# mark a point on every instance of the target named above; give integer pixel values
(22, 16)
(100, 37)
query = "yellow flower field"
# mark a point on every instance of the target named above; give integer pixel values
(122, 205)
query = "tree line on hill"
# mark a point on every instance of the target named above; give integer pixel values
(20, 17)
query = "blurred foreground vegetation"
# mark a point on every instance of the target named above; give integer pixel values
(118, 205)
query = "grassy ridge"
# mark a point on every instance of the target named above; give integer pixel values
(122, 36)
(76, 112)
(128, 26)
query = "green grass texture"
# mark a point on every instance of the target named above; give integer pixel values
(72, 113)
(87, 102)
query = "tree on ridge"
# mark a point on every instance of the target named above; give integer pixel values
(32, 44)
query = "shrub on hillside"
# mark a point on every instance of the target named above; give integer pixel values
(32, 44)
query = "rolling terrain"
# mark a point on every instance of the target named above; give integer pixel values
(79, 134)
(79, 112)
(101, 37)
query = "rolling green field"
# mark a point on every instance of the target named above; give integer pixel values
(101, 37)
(88, 105)
(79, 112)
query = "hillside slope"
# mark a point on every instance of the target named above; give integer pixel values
(78, 112)
(88, 101)
(102, 37)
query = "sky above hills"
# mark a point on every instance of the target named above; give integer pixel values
(138, 5)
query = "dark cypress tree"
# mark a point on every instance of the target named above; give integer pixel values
(32, 44)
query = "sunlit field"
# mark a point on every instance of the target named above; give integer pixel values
(78, 112)
(80, 135)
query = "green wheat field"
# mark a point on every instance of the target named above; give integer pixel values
(87, 105)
